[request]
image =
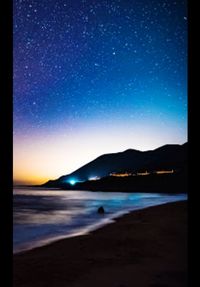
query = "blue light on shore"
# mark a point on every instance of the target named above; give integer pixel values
(72, 181)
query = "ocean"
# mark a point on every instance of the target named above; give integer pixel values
(41, 216)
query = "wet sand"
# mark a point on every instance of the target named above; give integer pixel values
(146, 248)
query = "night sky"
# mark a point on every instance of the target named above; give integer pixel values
(94, 77)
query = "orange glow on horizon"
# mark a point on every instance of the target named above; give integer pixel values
(31, 180)
(33, 175)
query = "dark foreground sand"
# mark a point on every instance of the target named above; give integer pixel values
(147, 248)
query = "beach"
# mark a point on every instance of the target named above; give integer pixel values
(147, 247)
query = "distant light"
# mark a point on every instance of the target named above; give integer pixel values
(72, 182)
(93, 178)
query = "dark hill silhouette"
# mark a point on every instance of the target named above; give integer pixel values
(165, 157)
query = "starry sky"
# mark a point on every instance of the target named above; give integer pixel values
(93, 77)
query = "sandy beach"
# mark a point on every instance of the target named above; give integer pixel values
(146, 248)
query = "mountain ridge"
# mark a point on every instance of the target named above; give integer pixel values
(166, 156)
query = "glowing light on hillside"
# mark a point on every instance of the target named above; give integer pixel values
(72, 181)
(94, 178)
(122, 174)
(164, 171)
(143, 173)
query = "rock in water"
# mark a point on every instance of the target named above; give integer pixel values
(101, 210)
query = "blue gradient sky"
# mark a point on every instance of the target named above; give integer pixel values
(93, 77)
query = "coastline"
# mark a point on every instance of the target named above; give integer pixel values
(85, 231)
(151, 240)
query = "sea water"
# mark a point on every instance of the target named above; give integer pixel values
(41, 216)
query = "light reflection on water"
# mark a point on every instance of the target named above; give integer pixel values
(43, 215)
